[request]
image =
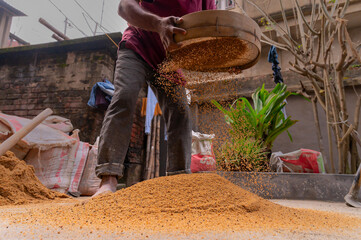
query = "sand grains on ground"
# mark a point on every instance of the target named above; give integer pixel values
(19, 185)
(187, 204)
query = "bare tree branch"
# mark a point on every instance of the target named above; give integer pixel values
(335, 5)
(325, 11)
(318, 64)
(348, 132)
(302, 31)
(298, 72)
(272, 42)
(350, 44)
(318, 51)
(328, 46)
(304, 19)
(285, 18)
(357, 113)
(343, 12)
(343, 55)
(348, 62)
(280, 31)
(313, 12)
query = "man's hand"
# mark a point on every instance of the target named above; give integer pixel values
(138, 17)
(166, 30)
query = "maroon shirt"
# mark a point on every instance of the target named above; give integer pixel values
(148, 44)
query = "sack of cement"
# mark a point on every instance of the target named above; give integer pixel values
(80, 159)
(59, 123)
(300, 161)
(203, 158)
(58, 159)
(42, 137)
(89, 182)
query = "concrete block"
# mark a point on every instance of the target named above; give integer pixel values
(296, 186)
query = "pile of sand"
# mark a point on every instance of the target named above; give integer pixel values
(19, 185)
(184, 203)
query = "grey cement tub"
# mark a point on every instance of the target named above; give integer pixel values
(296, 186)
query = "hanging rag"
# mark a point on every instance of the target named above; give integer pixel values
(277, 76)
(151, 103)
(152, 109)
(101, 94)
(273, 58)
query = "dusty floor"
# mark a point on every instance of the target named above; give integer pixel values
(17, 231)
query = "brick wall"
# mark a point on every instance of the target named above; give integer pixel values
(61, 81)
(60, 76)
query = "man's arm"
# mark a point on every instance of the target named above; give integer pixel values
(138, 17)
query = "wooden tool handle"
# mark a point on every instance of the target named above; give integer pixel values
(16, 137)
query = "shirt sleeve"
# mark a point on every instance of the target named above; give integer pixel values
(208, 4)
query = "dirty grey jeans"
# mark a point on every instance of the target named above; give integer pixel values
(131, 73)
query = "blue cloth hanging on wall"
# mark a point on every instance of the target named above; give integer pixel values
(101, 90)
(277, 76)
(273, 58)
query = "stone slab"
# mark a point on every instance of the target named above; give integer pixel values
(296, 186)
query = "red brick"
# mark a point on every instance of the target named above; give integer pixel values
(13, 96)
(77, 104)
(30, 106)
(32, 101)
(33, 112)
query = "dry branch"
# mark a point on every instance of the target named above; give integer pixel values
(304, 19)
(316, 62)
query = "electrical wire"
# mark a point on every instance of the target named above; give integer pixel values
(68, 19)
(86, 20)
(101, 16)
(89, 15)
(100, 26)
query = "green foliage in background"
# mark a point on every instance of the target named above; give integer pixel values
(254, 129)
(266, 116)
(242, 152)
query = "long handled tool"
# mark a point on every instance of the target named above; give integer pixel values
(14, 139)
(351, 197)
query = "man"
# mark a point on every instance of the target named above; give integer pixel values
(152, 25)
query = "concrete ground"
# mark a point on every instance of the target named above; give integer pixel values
(19, 231)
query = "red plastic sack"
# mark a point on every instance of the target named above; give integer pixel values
(203, 158)
(301, 161)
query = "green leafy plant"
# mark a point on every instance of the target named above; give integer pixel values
(253, 129)
(243, 154)
(267, 116)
